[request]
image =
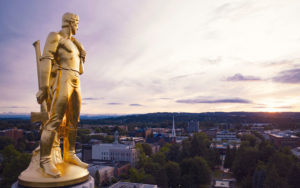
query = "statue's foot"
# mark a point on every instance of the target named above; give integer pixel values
(50, 169)
(73, 159)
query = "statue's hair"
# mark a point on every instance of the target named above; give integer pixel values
(69, 17)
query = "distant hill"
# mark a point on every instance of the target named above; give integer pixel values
(279, 120)
(27, 116)
(164, 119)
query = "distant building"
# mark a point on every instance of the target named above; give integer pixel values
(155, 148)
(296, 152)
(224, 183)
(132, 185)
(193, 126)
(106, 173)
(14, 133)
(125, 140)
(98, 134)
(285, 139)
(115, 152)
(122, 169)
(222, 147)
(226, 136)
(87, 153)
(211, 132)
(179, 139)
(141, 132)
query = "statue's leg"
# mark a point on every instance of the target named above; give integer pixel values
(73, 112)
(57, 110)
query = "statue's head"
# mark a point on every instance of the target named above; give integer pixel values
(70, 20)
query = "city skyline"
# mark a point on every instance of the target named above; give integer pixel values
(154, 56)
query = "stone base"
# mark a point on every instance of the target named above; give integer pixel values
(87, 184)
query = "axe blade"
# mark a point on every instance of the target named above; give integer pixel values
(39, 117)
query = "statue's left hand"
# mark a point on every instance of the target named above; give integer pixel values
(82, 55)
(41, 95)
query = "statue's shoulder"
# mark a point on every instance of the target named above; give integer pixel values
(77, 43)
(53, 37)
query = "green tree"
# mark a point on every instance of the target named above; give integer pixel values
(13, 164)
(199, 145)
(251, 139)
(97, 179)
(136, 175)
(294, 176)
(159, 157)
(230, 155)
(174, 153)
(266, 150)
(213, 158)
(245, 162)
(5, 141)
(259, 175)
(194, 172)
(186, 149)
(273, 180)
(173, 174)
(148, 179)
(282, 162)
(147, 149)
(165, 148)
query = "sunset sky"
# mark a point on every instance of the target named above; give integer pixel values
(161, 56)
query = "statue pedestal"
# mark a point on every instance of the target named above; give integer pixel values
(34, 175)
(87, 184)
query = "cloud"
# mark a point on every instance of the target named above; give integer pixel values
(212, 61)
(135, 105)
(229, 100)
(14, 107)
(277, 107)
(114, 103)
(165, 98)
(288, 76)
(240, 77)
(91, 99)
(283, 62)
(186, 75)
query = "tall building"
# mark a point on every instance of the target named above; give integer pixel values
(193, 126)
(14, 133)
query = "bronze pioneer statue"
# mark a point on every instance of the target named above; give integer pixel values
(66, 53)
(59, 94)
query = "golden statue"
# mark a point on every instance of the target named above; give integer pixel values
(59, 95)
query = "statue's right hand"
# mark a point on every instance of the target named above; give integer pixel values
(42, 94)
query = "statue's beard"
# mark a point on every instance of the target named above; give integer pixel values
(73, 30)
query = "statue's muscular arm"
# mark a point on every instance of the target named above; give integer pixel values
(46, 64)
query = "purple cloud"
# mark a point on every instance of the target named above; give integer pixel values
(135, 105)
(114, 103)
(288, 76)
(91, 99)
(195, 101)
(13, 107)
(240, 77)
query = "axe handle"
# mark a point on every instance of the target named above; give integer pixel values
(37, 48)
